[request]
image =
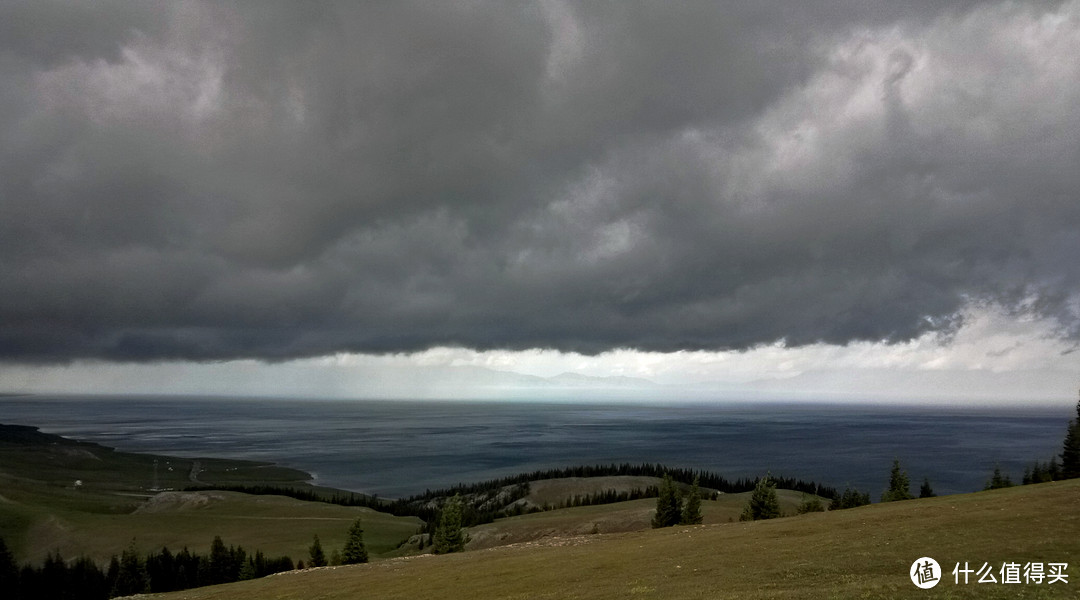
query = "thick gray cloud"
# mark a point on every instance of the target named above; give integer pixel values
(211, 180)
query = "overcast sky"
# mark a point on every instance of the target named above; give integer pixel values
(387, 198)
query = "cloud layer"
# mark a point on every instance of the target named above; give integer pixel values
(196, 181)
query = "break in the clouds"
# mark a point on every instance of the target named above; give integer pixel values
(219, 181)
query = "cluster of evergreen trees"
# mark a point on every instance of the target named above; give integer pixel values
(80, 580)
(764, 504)
(672, 510)
(1069, 468)
(1042, 472)
(163, 571)
(998, 480)
(446, 531)
(1070, 452)
(607, 497)
(851, 498)
(132, 573)
(354, 552)
(900, 486)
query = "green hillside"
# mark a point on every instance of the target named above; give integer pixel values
(117, 501)
(858, 553)
(622, 517)
(604, 551)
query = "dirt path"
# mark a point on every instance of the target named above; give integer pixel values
(196, 468)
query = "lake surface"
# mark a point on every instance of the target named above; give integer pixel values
(396, 448)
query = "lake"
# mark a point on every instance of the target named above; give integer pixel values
(395, 448)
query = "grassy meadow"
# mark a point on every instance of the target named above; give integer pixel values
(858, 553)
(635, 515)
(42, 510)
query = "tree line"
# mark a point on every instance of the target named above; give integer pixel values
(485, 501)
(158, 572)
(132, 573)
(1051, 470)
(763, 503)
(706, 479)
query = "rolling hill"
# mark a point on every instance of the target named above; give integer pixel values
(858, 553)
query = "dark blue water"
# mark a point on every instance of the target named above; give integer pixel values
(395, 448)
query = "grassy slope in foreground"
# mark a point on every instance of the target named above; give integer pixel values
(859, 553)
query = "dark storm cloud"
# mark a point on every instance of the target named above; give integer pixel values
(211, 181)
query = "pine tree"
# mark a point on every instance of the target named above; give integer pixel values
(112, 572)
(86, 580)
(217, 570)
(899, 485)
(851, 498)
(1070, 452)
(1053, 470)
(354, 552)
(691, 511)
(998, 481)
(667, 504)
(52, 577)
(9, 572)
(449, 536)
(131, 578)
(763, 503)
(926, 491)
(248, 571)
(1041, 473)
(316, 556)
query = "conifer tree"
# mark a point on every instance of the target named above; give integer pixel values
(131, 578)
(9, 572)
(667, 504)
(851, 498)
(51, 579)
(691, 511)
(217, 570)
(112, 572)
(926, 491)
(1041, 473)
(248, 571)
(354, 552)
(449, 535)
(899, 485)
(85, 579)
(316, 556)
(1070, 452)
(763, 503)
(998, 481)
(1053, 470)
